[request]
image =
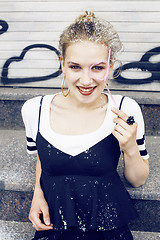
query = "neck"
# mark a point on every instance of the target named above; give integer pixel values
(100, 102)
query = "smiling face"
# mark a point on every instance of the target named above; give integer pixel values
(84, 68)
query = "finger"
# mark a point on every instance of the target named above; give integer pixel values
(38, 224)
(41, 227)
(117, 135)
(120, 113)
(121, 122)
(46, 216)
(120, 130)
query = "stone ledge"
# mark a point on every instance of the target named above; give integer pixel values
(20, 93)
(15, 206)
(17, 168)
(24, 231)
(16, 230)
(12, 99)
(146, 235)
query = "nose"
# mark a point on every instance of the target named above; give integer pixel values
(85, 78)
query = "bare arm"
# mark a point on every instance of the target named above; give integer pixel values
(136, 168)
(39, 205)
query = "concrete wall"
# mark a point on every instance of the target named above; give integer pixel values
(30, 31)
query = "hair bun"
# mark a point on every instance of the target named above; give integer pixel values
(86, 17)
(88, 27)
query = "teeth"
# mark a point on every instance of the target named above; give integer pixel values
(86, 89)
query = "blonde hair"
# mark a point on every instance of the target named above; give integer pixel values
(89, 27)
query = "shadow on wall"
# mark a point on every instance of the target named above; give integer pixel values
(143, 65)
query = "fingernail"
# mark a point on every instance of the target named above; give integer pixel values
(47, 222)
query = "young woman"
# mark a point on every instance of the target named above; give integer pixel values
(78, 136)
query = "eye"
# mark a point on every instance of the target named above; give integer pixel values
(76, 67)
(98, 68)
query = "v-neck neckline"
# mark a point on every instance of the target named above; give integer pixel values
(73, 143)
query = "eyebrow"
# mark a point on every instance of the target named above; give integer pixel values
(73, 63)
(98, 63)
(101, 62)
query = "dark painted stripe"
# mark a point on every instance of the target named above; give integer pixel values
(30, 139)
(33, 148)
(143, 153)
(140, 141)
(121, 102)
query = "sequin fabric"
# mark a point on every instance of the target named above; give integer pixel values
(84, 191)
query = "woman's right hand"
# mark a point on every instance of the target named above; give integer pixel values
(39, 207)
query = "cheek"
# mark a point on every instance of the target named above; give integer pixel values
(100, 82)
(72, 76)
(98, 75)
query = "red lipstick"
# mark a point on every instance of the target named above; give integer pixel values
(86, 91)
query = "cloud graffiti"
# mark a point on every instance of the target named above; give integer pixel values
(5, 70)
(4, 26)
(145, 65)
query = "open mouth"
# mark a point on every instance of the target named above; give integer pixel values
(86, 91)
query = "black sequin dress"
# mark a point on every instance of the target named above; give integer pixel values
(84, 191)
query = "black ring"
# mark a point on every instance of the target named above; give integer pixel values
(130, 120)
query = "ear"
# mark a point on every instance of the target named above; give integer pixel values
(62, 65)
(111, 68)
